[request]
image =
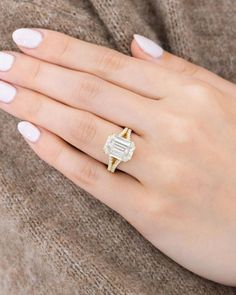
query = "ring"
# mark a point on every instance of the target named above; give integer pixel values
(120, 148)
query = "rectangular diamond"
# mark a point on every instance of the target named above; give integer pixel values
(119, 147)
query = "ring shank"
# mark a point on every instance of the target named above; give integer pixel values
(113, 164)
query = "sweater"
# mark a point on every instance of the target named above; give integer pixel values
(57, 239)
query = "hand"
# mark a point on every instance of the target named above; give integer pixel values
(179, 189)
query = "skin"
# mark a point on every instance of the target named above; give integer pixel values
(179, 189)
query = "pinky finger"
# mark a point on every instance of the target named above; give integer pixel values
(118, 191)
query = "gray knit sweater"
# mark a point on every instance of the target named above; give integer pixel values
(54, 237)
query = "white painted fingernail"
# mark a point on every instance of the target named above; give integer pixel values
(6, 61)
(148, 46)
(7, 92)
(29, 131)
(27, 38)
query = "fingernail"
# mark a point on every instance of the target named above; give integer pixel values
(148, 46)
(27, 38)
(7, 92)
(6, 61)
(29, 131)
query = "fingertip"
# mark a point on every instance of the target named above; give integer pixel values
(29, 131)
(148, 46)
(137, 52)
(27, 37)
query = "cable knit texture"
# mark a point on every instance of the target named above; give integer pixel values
(54, 237)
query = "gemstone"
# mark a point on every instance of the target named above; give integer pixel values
(119, 147)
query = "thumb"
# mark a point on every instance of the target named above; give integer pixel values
(146, 49)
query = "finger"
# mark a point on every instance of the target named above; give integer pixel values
(84, 171)
(81, 129)
(146, 49)
(77, 89)
(125, 71)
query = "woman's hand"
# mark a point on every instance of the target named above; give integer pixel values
(179, 189)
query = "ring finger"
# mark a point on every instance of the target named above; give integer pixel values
(81, 129)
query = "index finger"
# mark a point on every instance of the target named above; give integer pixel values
(128, 72)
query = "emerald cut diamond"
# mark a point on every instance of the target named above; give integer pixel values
(119, 147)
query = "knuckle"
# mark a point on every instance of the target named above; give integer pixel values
(158, 209)
(174, 176)
(88, 89)
(111, 61)
(183, 130)
(172, 171)
(56, 156)
(154, 208)
(64, 48)
(33, 109)
(189, 69)
(203, 95)
(87, 174)
(200, 90)
(85, 131)
(36, 71)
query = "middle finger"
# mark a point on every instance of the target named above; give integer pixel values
(77, 89)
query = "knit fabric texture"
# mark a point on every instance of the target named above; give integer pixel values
(54, 237)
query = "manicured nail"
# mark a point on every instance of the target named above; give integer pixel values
(6, 61)
(148, 46)
(29, 131)
(27, 38)
(7, 92)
